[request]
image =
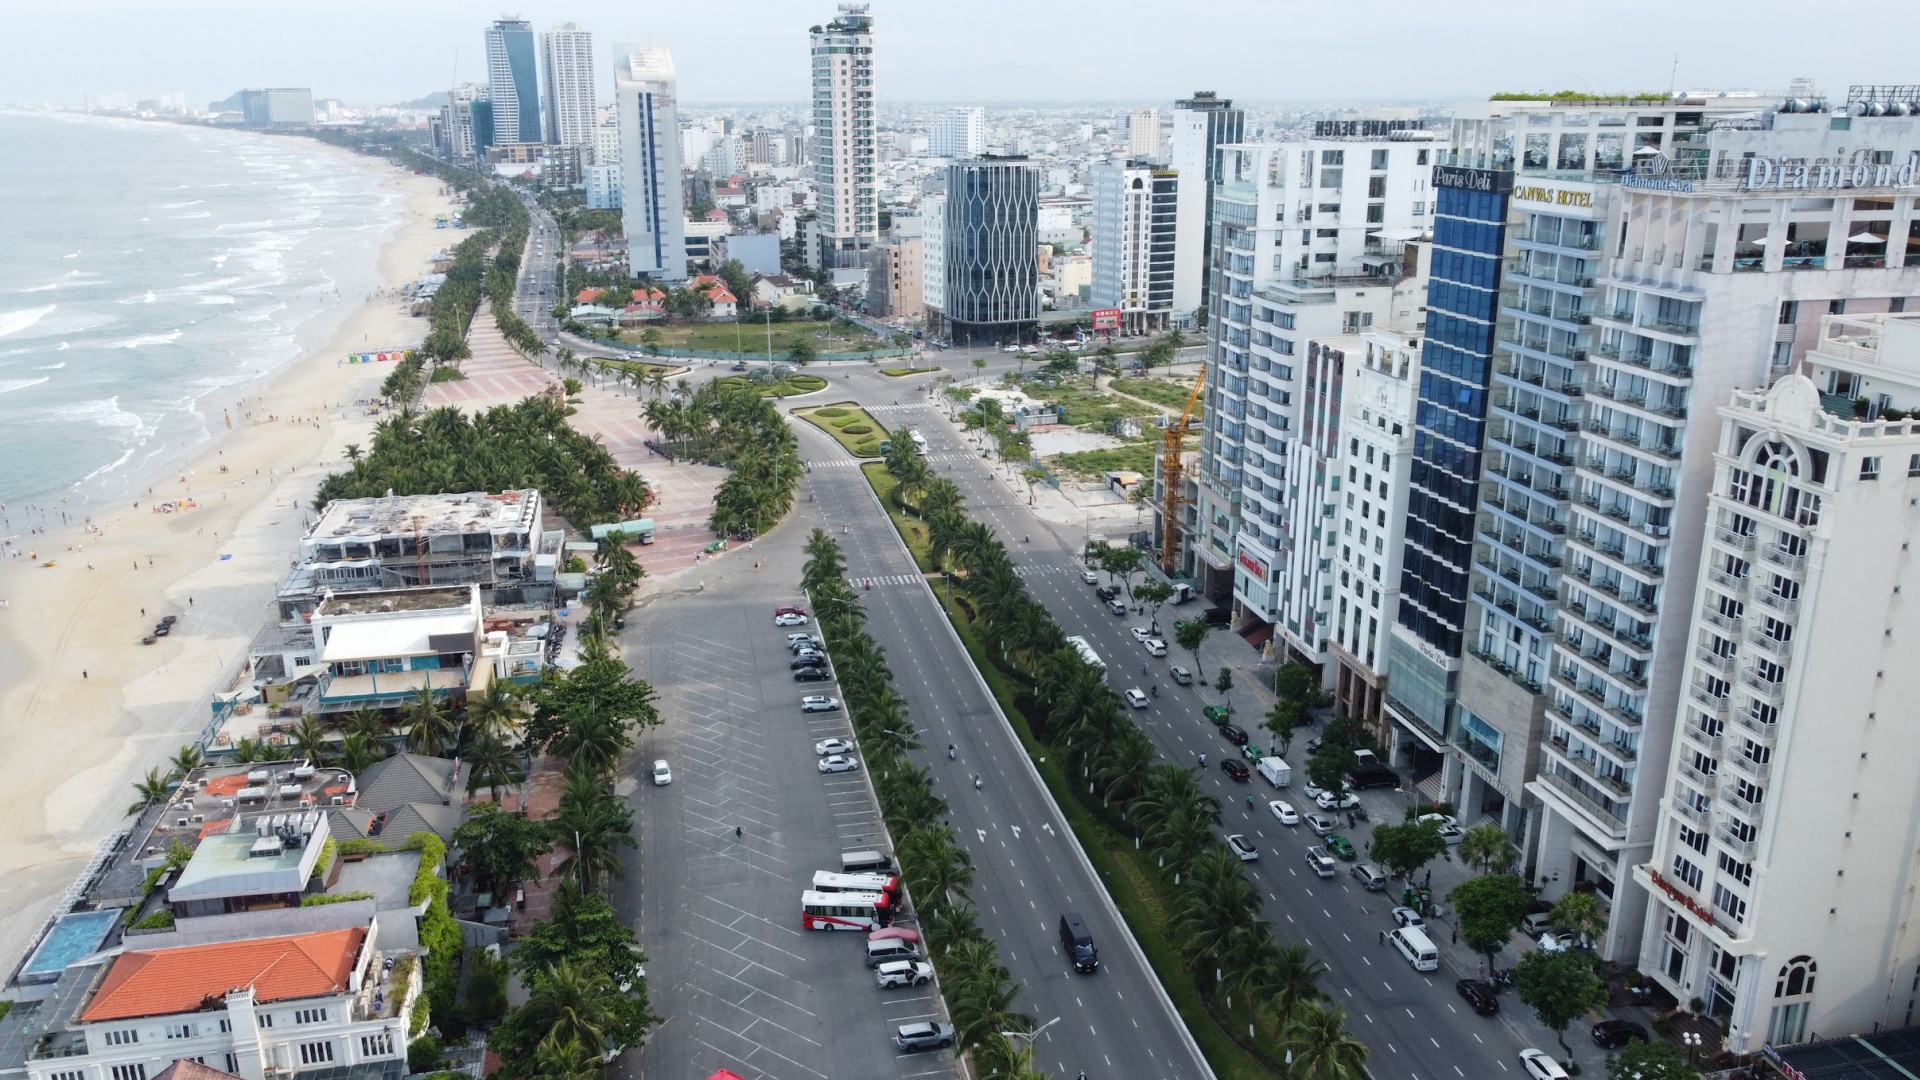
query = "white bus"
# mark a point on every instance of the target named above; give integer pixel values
(1086, 653)
(828, 881)
(845, 911)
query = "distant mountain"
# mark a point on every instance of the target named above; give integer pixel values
(431, 101)
(231, 104)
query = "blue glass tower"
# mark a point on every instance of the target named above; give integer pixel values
(1469, 237)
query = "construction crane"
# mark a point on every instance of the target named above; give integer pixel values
(1172, 473)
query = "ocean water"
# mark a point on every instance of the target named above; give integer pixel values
(150, 275)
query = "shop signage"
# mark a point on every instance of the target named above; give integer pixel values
(1681, 898)
(1765, 173)
(1253, 566)
(1553, 196)
(1106, 319)
(1448, 176)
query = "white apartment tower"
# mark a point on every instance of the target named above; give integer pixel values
(1783, 867)
(1143, 134)
(933, 256)
(961, 133)
(566, 58)
(1202, 124)
(844, 152)
(1133, 243)
(652, 203)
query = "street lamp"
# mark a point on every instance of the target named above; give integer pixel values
(1030, 1036)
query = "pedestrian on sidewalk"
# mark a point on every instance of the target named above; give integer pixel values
(1383, 937)
(1456, 933)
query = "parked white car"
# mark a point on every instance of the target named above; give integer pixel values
(838, 763)
(1156, 647)
(1284, 811)
(833, 746)
(662, 775)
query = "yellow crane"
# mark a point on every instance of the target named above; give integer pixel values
(1172, 474)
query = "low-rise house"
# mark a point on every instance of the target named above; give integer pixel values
(403, 795)
(794, 294)
(262, 861)
(253, 1008)
(382, 648)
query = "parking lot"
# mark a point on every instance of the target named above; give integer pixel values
(739, 983)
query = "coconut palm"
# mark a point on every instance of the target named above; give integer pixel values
(1321, 1046)
(186, 759)
(309, 739)
(568, 1059)
(367, 722)
(1122, 773)
(496, 711)
(359, 753)
(495, 765)
(247, 751)
(151, 789)
(1281, 977)
(572, 1003)
(1579, 913)
(433, 730)
(593, 831)
(980, 996)
(1487, 848)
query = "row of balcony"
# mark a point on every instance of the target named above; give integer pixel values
(1609, 350)
(1573, 353)
(1637, 399)
(1520, 268)
(1624, 437)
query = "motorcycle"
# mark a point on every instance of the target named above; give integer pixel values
(950, 752)
(976, 781)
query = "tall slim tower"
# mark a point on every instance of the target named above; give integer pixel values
(566, 54)
(514, 78)
(843, 146)
(653, 208)
(1201, 125)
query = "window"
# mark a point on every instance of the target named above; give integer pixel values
(1870, 468)
(1728, 901)
(1333, 157)
(1377, 186)
(74, 1075)
(1379, 159)
(1421, 158)
(1420, 208)
(1694, 839)
(376, 1045)
(1685, 871)
(1789, 312)
(123, 1037)
(233, 1063)
(136, 1071)
(1913, 465)
(266, 1020)
(1739, 871)
(316, 1053)
(180, 1031)
(310, 1016)
(1331, 178)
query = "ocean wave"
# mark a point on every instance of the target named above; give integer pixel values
(8, 386)
(147, 298)
(217, 299)
(106, 412)
(243, 226)
(181, 205)
(71, 255)
(43, 288)
(144, 340)
(188, 217)
(13, 322)
(53, 367)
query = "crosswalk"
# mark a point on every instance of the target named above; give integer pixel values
(899, 408)
(848, 463)
(859, 583)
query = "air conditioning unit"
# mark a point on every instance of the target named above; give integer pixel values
(339, 800)
(180, 823)
(198, 819)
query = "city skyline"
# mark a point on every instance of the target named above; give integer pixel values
(377, 54)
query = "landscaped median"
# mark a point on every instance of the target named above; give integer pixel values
(1248, 998)
(850, 425)
(792, 385)
(903, 372)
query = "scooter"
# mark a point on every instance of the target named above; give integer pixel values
(976, 781)
(950, 752)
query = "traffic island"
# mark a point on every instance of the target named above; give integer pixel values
(850, 425)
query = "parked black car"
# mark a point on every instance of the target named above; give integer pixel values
(1479, 996)
(1106, 592)
(1234, 733)
(1614, 1034)
(813, 674)
(1234, 768)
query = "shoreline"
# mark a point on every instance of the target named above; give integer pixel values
(89, 708)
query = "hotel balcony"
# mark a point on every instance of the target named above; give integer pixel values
(1680, 804)
(1762, 733)
(1597, 815)
(1743, 849)
(1759, 639)
(1758, 770)
(1705, 781)
(1737, 541)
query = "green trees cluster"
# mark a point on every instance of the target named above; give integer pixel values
(980, 991)
(527, 445)
(1214, 910)
(734, 426)
(582, 966)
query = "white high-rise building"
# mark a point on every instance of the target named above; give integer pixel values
(933, 256)
(606, 136)
(1201, 125)
(847, 221)
(652, 202)
(1783, 867)
(1143, 134)
(1133, 243)
(961, 133)
(566, 57)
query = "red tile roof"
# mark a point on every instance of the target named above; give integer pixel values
(188, 1069)
(588, 296)
(169, 981)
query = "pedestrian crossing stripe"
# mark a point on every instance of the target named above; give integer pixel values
(846, 463)
(885, 579)
(898, 408)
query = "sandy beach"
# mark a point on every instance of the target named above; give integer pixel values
(87, 708)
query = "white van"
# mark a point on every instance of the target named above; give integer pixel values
(1414, 944)
(1276, 770)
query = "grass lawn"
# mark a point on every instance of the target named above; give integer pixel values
(1085, 405)
(751, 338)
(1169, 392)
(639, 367)
(1136, 456)
(912, 529)
(792, 386)
(903, 372)
(849, 425)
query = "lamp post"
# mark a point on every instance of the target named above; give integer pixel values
(1030, 1036)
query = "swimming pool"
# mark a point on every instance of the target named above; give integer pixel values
(73, 936)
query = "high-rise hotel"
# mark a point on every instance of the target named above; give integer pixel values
(843, 148)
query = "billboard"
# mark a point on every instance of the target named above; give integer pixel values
(1106, 318)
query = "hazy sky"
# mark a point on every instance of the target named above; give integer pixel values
(374, 51)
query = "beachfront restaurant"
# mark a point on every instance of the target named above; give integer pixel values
(382, 648)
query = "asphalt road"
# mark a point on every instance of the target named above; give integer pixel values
(742, 986)
(1027, 868)
(1415, 1023)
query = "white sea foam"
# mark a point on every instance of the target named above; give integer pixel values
(181, 205)
(144, 340)
(8, 386)
(43, 288)
(12, 322)
(217, 299)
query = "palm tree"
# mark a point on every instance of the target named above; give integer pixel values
(981, 995)
(1580, 914)
(186, 759)
(359, 753)
(496, 711)
(572, 1004)
(246, 751)
(368, 722)
(1282, 977)
(1487, 848)
(151, 788)
(1218, 899)
(568, 1059)
(433, 728)
(495, 765)
(594, 742)
(1320, 1045)
(1123, 772)
(309, 738)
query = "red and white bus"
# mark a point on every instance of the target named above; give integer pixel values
(845, 910)
(828, 881)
